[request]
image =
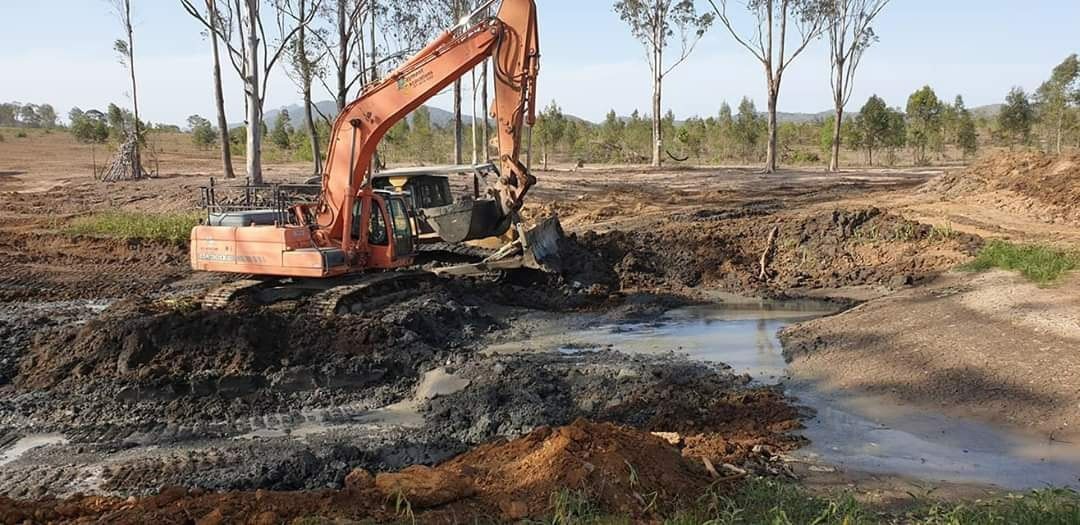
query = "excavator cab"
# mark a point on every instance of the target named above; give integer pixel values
(391, 237)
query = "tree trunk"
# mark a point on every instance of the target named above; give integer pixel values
(472, 76)
(834, 160)
(1060, 125)
(658, 82)
(134, 88)
(306, 74)
(657, 131)
(459, 137)
(484, 107)
(374, 48)
(770, 152)
(254, 102)
(343, 55)
(219, 97)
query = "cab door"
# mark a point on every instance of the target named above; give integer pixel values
(401, 224)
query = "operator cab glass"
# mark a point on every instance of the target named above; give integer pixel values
(402, 226)
(377, 233)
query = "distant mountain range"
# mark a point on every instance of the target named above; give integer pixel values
(442, 118)
(439, 117)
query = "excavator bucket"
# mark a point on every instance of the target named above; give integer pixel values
(542, 246)
(539, 251)
(467, 220)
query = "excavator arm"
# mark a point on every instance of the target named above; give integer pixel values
(510, 38)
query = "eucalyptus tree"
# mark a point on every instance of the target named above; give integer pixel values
(769, 44)
(850, 33)
(656, 24)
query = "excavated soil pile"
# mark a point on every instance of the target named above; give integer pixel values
(201, 363)
(1035, 183)
(616, 469)
(838, 248)
(705, 407)
(263, 346)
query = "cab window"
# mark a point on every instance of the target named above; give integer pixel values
(377, 234)
(400, 216)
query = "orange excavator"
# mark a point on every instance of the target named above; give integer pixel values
(353, 227)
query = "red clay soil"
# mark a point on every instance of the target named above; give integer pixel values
(618, 469)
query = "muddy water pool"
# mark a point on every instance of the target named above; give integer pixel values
(851, 431)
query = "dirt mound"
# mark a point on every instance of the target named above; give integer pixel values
(702, 403)
(1039, 184)
(832, 249)
(619, 470)
(211, 349)
(143, 363)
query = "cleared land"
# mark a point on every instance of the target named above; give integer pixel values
(108, 357)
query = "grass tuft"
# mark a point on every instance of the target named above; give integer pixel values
(1040, 507)
(774, 502)
(164, 227)
(1041, 264)
(570, 507)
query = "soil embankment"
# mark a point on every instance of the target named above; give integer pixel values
(992, 346)
(1029, 183)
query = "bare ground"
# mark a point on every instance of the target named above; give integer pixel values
(981, 344)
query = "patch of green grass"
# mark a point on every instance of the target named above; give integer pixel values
(1040, 507)
(762, 500)
(769, 501)
(573, 507)
(164, 227)
(1041, 264)
(943, 232)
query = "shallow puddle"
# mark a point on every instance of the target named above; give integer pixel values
(854, 432)
(28, 443)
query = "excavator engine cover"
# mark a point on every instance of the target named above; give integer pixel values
(468, 220)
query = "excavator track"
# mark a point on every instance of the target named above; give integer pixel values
(371, 291)
(227, 293)
(463, 250)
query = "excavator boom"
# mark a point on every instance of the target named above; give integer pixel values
(510, 39)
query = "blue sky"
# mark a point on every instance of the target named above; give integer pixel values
(590, 64)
